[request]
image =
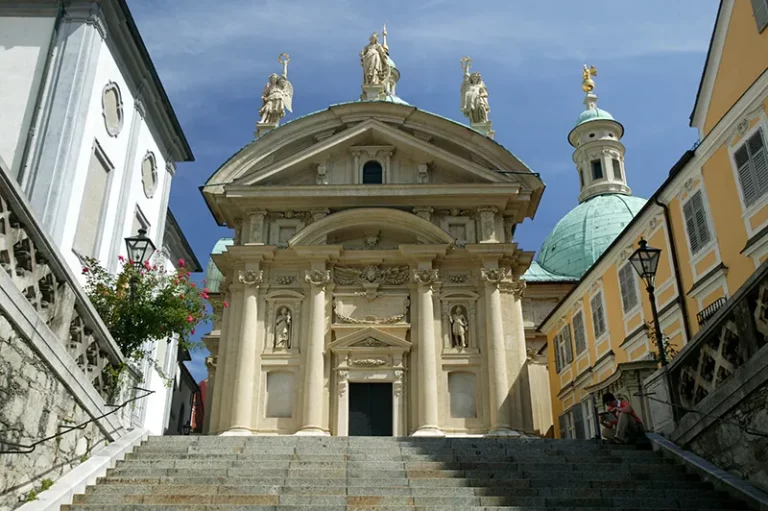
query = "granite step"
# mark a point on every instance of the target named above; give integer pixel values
(386, 474)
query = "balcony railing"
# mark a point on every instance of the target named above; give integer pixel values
(733, 334)
(710, 310)
(43, 278)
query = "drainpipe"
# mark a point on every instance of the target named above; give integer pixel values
(676, 268)
(40, 93)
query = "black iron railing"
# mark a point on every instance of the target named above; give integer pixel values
(27, 449)
(710, 310)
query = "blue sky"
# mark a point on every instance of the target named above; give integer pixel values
(214, 58)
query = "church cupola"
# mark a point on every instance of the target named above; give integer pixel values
(599, 154)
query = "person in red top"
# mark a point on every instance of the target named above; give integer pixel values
(620, 423)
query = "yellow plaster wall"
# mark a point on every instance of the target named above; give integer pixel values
(712, 297)
(744, 58)
(758, 218)
(706, 263)
(726, 213)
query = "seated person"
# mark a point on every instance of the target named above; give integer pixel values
(621, 424)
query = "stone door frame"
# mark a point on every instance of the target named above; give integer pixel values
(370, 355)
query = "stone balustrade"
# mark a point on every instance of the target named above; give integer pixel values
(720, 381)
(56, 358)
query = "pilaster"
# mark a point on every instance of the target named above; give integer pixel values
(49, 185)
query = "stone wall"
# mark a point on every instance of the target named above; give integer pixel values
(728, 444)
(34, 404)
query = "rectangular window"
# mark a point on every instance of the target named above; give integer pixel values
(628, 288)
(564, 343)
(760, 9)
(696, 222)
(579, 334)
(562, 422)
(579, 429)
(86, 240)
(617, 169)
(598, 315)
(597, 169)
(752, 166)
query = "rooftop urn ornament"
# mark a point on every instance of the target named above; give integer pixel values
(276, 98)
(474, 99)
(376, 69)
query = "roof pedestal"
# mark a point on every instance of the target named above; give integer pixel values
(373, 93)
(263, 128)
(483, 128)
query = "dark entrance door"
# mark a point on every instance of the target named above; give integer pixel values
(370, 409)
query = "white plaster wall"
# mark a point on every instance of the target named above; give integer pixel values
(23, 46)
(116, 149)
(157, 407)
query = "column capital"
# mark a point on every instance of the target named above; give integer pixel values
(317, 277)
(494, 276)
(251, 277)
(210, 362)
(516, 286)
(425, 277)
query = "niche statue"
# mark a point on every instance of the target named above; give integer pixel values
(459, 328)
(283, 329)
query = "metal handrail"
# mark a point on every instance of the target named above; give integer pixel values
(710, 310)
(27, 449)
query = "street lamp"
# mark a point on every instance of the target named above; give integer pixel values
(645, 261)
(140, 248)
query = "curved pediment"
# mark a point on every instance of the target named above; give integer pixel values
(372, 219)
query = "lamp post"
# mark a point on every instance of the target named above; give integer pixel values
(140, 248)
(645, 261)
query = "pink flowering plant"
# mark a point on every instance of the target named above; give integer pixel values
(163, 303)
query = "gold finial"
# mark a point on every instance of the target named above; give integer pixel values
(384, 35)
(284, 59)
(587, 83)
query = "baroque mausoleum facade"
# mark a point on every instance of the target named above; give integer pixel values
(373, 286)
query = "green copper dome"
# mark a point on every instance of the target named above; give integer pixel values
(593, 114)
(213, 275)
(585, 232)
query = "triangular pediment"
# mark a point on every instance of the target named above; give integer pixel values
(405, 150)
(370, 338)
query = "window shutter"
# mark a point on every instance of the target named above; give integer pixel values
(746, 179)
(627, 285)
(690, 226)
(567, 341)
(579, 334)
(760, 8)
(598, 315)
(759, 161)
(558, 362)
(700, 214)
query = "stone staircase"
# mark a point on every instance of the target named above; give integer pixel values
(393, 474)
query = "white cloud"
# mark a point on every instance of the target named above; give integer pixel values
(198, 43)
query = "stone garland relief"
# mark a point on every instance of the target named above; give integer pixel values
(373, 274)
(370, 319)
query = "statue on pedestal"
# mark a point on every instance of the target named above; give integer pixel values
(459, 327)
(474, 95)
(373, 58)
(283, 328)
(277, 96)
